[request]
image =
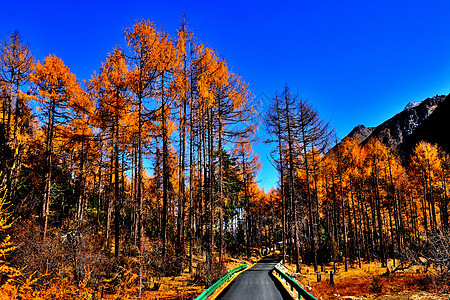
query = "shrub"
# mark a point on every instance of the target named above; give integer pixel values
(208, 277)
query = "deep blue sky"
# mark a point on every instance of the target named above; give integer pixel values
(357, 62)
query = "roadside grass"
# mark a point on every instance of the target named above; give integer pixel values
(184, 286)
(371, 281)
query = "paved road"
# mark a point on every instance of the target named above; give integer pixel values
(256, 283)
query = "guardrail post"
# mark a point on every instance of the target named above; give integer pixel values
(331, 278)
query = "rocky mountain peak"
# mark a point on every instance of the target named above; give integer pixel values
(411, 105)
(394, 131)
(360, 133)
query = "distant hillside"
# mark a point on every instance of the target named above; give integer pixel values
(394, 131)
(435, 129)
(428, 120)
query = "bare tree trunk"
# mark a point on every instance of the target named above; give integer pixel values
(138, 173)
(312, 233)
(357, 227)
(80, 204)
(282, 190)
(191, 186)
(108, 201)
(48, 179)
(291, 182)
(210, 192)
(181, 174)
(191, 164)
(165, 153)
(116, 190)
(220, 199)
(379, 219)
(444, 206)
(344, 222)
(99, 188)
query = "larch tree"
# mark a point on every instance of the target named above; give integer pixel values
(313, 135)
(248, 162)
(235, 120)
(167, 61)
(16, 66)
(376, 158)
(143, 42)
(274, 128)
(444, 177)
(110, 90)
(181, 87)
(58, 92)
(300, 135)
(426, 164)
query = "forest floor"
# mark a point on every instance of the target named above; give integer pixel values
(185, 285)
(368, 282)
(371, 281)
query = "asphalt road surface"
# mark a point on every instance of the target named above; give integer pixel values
(256, 283)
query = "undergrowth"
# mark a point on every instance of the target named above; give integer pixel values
(368, 281)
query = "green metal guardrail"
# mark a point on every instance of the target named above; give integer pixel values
(294, 285)
(208, 292)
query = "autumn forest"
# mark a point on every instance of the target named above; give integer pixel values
(147, 171)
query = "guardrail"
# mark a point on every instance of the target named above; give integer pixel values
(208, 292)
(293, 284)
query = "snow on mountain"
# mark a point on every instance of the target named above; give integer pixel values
(394, 130)
(411, 105)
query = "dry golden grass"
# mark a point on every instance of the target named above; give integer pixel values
(368, 282)
(183, 287)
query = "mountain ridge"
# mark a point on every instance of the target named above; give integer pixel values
(433, 130)
(360, 133)
(395, 131)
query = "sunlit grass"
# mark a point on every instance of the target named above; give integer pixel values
(183, 286)
(371, 281)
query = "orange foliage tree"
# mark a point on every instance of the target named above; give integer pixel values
(59, 95)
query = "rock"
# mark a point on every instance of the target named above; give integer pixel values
(360, 133)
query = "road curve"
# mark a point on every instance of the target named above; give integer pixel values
(256, 283)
